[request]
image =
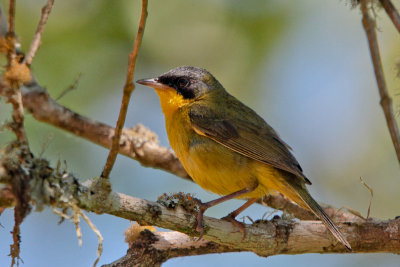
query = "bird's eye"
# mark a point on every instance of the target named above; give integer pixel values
(182, 83)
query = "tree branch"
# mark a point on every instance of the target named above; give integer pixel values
(391, 12)
(38, 34)
(128, 89)
(14, 97)
(15, 75)
(50, 186)
(386, 101)
(153, 249)
(11, 16)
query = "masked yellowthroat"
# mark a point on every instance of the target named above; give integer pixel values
(226, 147)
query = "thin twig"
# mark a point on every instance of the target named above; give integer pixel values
(69, 88)
(18, 116)
(77, 213)
(386, 101)
(128, 89)
(10, 37)
(76, 220)
(61, 214)
(372, 196)
(392, 12)
(11, 16)
(98, 234)
(14, 77)
(38, 34)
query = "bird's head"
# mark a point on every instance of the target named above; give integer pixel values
(182, 86)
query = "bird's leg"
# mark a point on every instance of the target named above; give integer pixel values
(231, 216)
(205, 206)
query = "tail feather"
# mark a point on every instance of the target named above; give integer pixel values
(320, 213)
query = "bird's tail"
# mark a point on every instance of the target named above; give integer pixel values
(313, 206)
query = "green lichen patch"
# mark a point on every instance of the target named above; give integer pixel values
(180, 199)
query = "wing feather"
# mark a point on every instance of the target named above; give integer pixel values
(252, 138)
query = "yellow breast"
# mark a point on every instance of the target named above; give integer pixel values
(211, 165)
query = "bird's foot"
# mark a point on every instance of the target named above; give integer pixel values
(231, 218)
(199, 227)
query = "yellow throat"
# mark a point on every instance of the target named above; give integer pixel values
(170, 101)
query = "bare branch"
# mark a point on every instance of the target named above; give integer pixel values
(15, 75)
(15, 98)
(153, 249)
(372, 195)
(391, 12)
(11, 16)
(386, 101)
(38, 34)
(133, 55)
(18, 186)
(265, 238)
(98, 234)
(128, 89)
(69, 88)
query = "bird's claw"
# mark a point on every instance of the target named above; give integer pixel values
(199, 227)
(241, 226)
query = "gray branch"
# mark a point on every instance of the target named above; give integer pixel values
(49, 186)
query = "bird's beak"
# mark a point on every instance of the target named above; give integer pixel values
(153, 83)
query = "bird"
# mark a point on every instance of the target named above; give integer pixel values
(227, 148)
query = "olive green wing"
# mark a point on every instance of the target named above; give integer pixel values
(249, 135)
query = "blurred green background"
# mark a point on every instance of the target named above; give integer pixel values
(302, 65)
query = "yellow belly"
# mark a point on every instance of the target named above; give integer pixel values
(217, 168)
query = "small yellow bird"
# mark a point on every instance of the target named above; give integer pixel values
(226, 147)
